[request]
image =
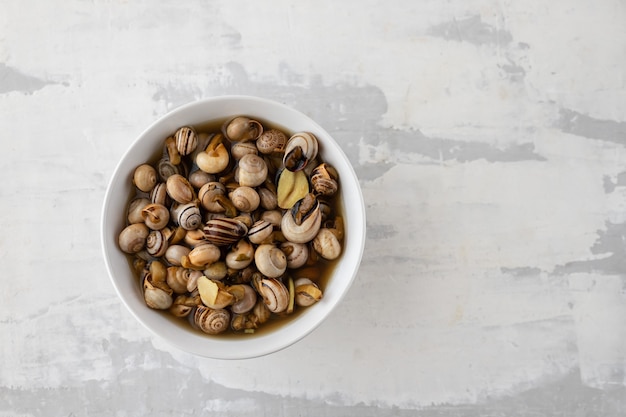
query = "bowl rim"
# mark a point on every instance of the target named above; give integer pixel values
(358, 219)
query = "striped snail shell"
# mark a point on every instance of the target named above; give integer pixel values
(156, 244)
(224, 231)
(188, 216)
(186, 140)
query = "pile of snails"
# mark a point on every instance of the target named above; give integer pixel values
(234, 227)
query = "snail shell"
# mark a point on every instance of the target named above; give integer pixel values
(175, 253)
(203, 255)
(133, 238)
(275, 294)
(216, 271)
(158, 195)
(268, 198)
(242, 128)
(198, 178)
(297, 254)
(134, 210)
(178, 278)
(156, 243)
(273, 216)
(166, 169)
(188, 216)
(251, 171)
(307, 292)
(239, 149)
(179, 189)
(324, 180)
(145, 177)
(211, 321)
(208, 196)
(224, 231)
(245, 297)
(170, 149)
(300, 149)
(245, 199)
(260, 230)
(272, 140)
(240, 256)
(270, 260)
(186, 140)
(326, 244)
(155, 297)
(303, 221)
(156, 216)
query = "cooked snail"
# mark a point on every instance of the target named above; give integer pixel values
(300, 149)
(186, 140)
(133, 237)
(270, 260)
(145, 177)
(242, 128)
(251, 170)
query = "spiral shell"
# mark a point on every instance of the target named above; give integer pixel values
(211, 321)
(245, 297)
(326, 244)
(270, 260)
(275, 294)
(301, 148)
(156, 243)
(241, 255)
(260, 230)
(324, 180)
(251, 171)
(133, 238)
(158, 195)
(303, 221)
(155, 297)
(224, 231)
(242, 128)
(272, 140)
(188, 216)
(175, 253)
(166, 169)
(186, 140)
(245, 199)
(239, 149)
(208, 196)
(145, 177)
(307, 292)
(297, 254)
(178, 278)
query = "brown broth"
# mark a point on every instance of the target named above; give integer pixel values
(326, 267)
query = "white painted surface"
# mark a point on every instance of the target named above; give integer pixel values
(489, 137)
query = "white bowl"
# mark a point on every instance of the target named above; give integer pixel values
(119, 191)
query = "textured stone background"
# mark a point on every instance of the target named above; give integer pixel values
(489, 137)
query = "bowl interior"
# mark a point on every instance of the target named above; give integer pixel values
(120, 189)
